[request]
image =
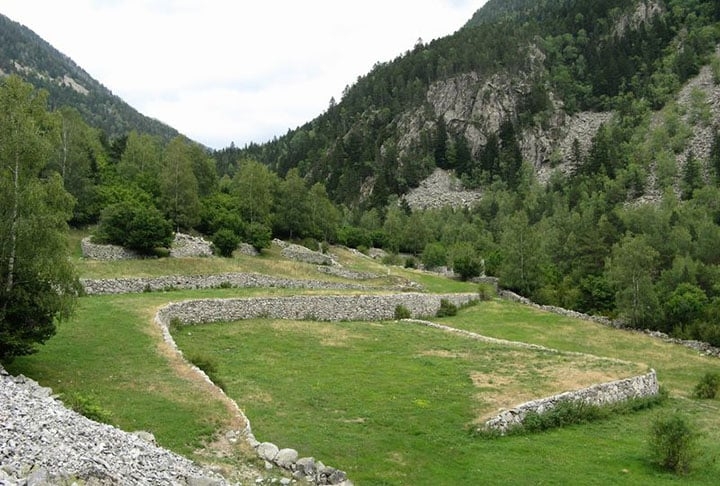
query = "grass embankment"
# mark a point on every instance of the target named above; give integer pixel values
(389, 403)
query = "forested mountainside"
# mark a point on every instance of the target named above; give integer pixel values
(27, 55)
(517, 76)
(582, 138)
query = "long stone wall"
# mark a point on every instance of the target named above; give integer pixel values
(600, 394)
(131, 285)
(317, 307)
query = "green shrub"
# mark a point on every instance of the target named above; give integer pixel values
(566, 412)
(258, 235)
(225, 241)
(709, 332)
(465, 261)
(139, 227)
(708, 386)
(434, 255)
(447, 309)
(402, 312)
(391, 259)
(88, 406)
(161, 252)
(486, 291)
(410, 262)
(672, 442)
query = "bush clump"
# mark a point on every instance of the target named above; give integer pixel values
(402, 312)
(138, 227)
(708, 386)
(447, 309)
(209, 367)
(89, 407)
(225, 241)
(672, 442)
(486, 291)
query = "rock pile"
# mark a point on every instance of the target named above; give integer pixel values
(190, 246)
(183, 246)
(304, 468)
(300, 253)
(94, 251)
(441, 190)
(44, 443)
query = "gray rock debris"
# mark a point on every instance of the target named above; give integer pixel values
(44, 443)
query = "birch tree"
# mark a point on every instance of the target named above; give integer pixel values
(38, 282)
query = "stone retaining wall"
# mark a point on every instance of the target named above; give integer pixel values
(699, 346)
(93, 251)
(332, 308)
(315, 307)
(600, 394)
(182, 246)
(243, 280)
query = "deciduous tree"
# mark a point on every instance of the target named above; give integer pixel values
(37, 282)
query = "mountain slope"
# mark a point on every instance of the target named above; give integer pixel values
(518, 84)
(24, 53)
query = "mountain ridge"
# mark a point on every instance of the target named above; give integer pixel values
(26, 54)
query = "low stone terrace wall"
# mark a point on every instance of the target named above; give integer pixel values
(241, 280)
(328, 308)
(601, 394)
(317, 307)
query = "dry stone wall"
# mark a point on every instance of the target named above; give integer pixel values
(600, 394)
(317, 307)
(183, 246)
(331, 308)
(243, 280)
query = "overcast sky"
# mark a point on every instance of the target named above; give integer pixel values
(241, 71)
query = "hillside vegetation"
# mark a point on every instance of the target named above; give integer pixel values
(389, 403)
(590, 129)
(589, 132)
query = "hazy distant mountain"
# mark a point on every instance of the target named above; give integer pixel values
(24, 53)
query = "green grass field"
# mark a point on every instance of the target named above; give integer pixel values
(389, 403)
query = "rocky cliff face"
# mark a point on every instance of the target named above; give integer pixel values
(475, 106)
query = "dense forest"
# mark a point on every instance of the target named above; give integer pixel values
(590, 238)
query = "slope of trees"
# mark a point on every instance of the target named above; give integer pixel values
(48, 67)
(580, 241)
(595, 56)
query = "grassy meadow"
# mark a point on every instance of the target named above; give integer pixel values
(390, 403)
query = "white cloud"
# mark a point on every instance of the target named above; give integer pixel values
(227, 70)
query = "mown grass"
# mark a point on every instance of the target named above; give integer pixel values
(391, 404)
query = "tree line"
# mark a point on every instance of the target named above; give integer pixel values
(578, 241)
